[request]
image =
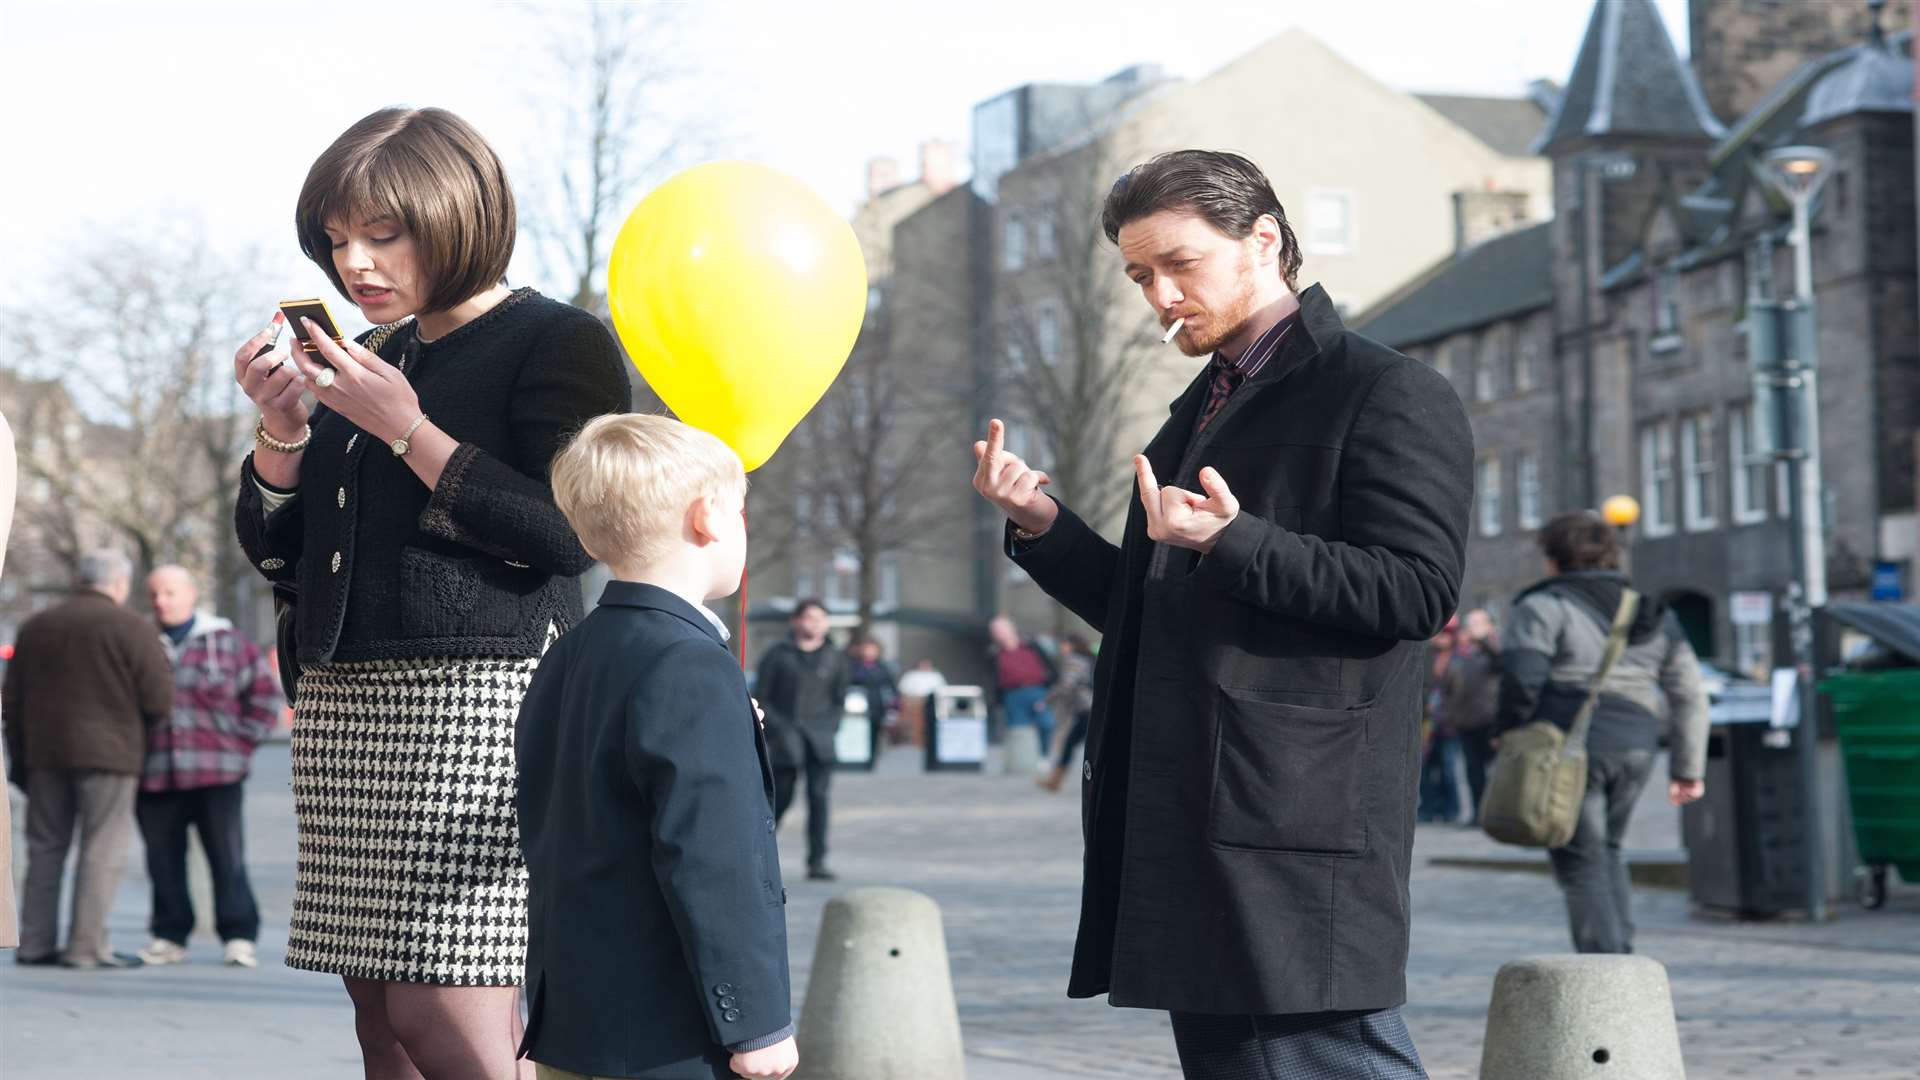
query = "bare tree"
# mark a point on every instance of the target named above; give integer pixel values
(867, 461)
(620, 89)
(139, 423)
(1075, 338)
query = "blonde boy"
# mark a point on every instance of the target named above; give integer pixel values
(658, 940)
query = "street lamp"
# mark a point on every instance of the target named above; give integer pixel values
(1787, 357)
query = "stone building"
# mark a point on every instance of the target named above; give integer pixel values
(1007, 273)
(1605, 352)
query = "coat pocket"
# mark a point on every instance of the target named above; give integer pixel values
(1290, 777)
(444, 596)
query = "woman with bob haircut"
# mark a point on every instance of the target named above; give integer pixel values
(410, 508)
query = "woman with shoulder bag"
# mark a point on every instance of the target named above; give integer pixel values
(1554, 646)
(410, 508)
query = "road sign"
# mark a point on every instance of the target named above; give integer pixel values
(1750, 608)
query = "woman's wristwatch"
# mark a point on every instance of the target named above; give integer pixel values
(260, 436)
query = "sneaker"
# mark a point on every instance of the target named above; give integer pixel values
(161, 951)
(821, 873)
(240, 953)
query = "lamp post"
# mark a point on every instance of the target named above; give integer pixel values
(1789, 346)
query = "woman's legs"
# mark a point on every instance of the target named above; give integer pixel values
(421, 1031)
(458, 1032)
(380, 1049)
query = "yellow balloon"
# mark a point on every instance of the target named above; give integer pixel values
(738, 293)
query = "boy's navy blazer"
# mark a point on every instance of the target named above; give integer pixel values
(656, 917)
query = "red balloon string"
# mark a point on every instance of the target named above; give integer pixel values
(743, 604)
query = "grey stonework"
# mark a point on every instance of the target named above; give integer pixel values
(1676, 248)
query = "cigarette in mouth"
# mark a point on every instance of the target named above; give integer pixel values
(1172, 330)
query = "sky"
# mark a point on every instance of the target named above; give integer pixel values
(122, 114)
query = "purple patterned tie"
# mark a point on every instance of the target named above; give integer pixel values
(1226, 379)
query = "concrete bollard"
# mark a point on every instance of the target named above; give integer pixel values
(1023, 750)
(1589, 1017)
(880, 998)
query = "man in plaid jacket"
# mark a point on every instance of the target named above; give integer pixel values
(226, 699)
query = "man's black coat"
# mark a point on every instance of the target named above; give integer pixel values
(1255, 740)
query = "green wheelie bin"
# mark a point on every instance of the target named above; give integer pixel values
(1877, 716)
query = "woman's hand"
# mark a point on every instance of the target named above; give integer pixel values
(273, 383)
(368, 391)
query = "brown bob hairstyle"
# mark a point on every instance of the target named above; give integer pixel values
(433, 173)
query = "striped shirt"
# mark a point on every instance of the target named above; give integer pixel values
(1228, 375)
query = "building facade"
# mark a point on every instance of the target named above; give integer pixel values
(1627, 372)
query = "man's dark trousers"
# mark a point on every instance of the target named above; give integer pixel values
(819, 785)
(1301, 1046)
(215, 812)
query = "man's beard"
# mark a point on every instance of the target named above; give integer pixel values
(1228, 322)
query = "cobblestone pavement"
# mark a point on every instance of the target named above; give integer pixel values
(1761, 1000)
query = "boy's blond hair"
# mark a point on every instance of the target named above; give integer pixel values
(625, 483)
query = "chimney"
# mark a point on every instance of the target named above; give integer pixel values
(936, 166)
(883, 174)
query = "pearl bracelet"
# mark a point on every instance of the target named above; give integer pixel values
(260, 436)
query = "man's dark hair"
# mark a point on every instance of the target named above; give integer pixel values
(1581, 540)
(810, 602)
(1223, 189)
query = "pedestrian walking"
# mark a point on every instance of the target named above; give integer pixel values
(411, 512)
(1255, 738)
(1440, 756)
(1554, 645)
(802, 684)
(87, 680)
(1469, 690)
(226, 700)
(1022, 674)
(1070, 697)
(873, 677)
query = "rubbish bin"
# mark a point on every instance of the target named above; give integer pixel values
(957, 729)
(853, 742)
(1746, 837)
(1877, 716)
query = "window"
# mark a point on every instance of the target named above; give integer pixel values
(1013, 241)
(1700, 492)
(803, 511)
(1748, 472)
(1666, 311)
(1016, 352)
(1046, 239)
(1443, 360)
(1330, 223)
(1526, 369)
(1486, 373)
(1046, 332)
(1527, 488)
(1656, 477)
(1488, 485)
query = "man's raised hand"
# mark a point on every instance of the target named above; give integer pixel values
(1006, 482)
(1182, 518)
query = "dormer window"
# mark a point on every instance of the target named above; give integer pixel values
(1665, 293)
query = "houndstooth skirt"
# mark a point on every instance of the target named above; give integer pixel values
(409, 849)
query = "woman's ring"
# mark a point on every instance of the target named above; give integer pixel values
(324, 379)
(277, 365)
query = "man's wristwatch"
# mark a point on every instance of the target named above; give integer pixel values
(1025, 537)
(400, 446)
